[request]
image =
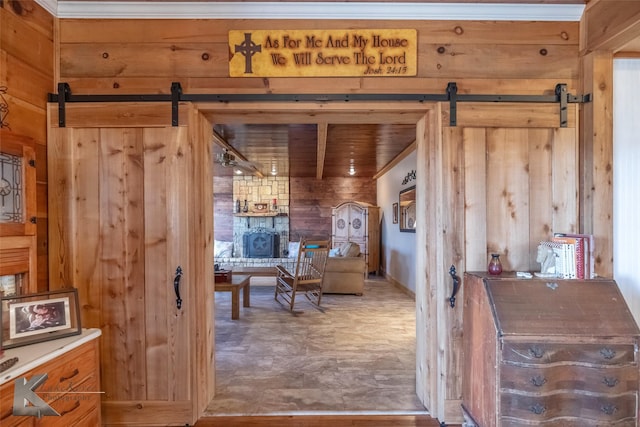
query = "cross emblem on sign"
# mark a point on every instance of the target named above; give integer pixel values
(248, 48)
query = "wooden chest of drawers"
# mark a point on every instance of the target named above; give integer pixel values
(72, 387)
(548, 352)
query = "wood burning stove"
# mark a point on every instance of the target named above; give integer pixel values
(261, 244)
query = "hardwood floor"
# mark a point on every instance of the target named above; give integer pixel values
(321, 421)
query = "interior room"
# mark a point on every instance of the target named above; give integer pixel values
(430, 136)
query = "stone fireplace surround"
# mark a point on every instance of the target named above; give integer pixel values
(259, 190)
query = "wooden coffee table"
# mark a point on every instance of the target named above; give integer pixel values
(238, 281)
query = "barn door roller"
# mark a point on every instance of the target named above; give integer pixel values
(561, 97)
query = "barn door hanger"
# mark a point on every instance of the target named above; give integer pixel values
(561, 97)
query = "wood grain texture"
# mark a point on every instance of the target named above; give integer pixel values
(475, 185)
(508, 197)
(322, 421)
(201, 229)
(223, 208)
(453, 220)
(126, 192)
(610, 25)
(429, 273)
(311, 201)
(122, 261)
(513, 331)
(596, 158)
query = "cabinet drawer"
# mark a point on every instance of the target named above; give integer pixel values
(72, 406)
(568, 404)
(541, 379)
(75, 371)
(508, 422)
(542, 353)
(67, 373)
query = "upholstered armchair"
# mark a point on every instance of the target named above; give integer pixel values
(345, 271)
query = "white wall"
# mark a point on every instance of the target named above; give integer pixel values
(397, 249)
(626, 180)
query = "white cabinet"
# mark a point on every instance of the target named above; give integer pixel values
(358, 222)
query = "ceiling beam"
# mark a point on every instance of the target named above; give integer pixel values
(219, 140)
(609, 25)
(322, 148)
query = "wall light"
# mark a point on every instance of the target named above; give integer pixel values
(238, 172)
(352, 169)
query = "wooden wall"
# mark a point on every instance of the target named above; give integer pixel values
(145, 56)
(223, 208)
(312, 200)
(310, 208)
(27, 71)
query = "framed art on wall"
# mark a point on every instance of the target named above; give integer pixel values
(395, 213)
(33, 318)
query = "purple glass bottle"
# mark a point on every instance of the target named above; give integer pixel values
(495, 266)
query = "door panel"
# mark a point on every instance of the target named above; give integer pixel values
(123, 229)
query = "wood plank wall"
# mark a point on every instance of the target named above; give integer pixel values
(27, 71)
(312, 200)
(145, 56)
(223, 208)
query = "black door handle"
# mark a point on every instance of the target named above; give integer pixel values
(456, 286)
(176, 287)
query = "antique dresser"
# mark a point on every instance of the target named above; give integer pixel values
(548, 352)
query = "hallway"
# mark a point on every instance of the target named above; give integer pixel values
(358, 357)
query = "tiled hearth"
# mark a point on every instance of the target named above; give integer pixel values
(234, 263)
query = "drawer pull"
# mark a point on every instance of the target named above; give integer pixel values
(73, 374)
(609, 409)
(610, 381)
(608, 353)
(538, 381)
(536, 352)
(538, 409)
(75, 406)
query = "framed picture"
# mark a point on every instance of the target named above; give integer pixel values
(32, 318)
(395, 213)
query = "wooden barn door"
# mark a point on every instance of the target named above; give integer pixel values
(502, 180)
(120, 211)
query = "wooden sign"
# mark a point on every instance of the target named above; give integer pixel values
(323, 53)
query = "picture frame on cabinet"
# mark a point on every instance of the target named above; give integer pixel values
(395, 213)
(32, 318)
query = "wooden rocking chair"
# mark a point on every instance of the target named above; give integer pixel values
(307, 273)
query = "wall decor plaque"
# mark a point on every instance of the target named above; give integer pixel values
(323, 53)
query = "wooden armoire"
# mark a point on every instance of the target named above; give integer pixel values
(358, 222)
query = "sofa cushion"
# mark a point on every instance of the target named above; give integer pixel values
(222, 249)
(349, 249)
(294, 248)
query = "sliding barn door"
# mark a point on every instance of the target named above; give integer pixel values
(120, 213)
(502, 180)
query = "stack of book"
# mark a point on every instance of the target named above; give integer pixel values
(573, 255)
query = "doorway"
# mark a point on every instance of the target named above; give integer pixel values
(399, 112)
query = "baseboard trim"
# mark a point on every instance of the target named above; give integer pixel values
(398, 285)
